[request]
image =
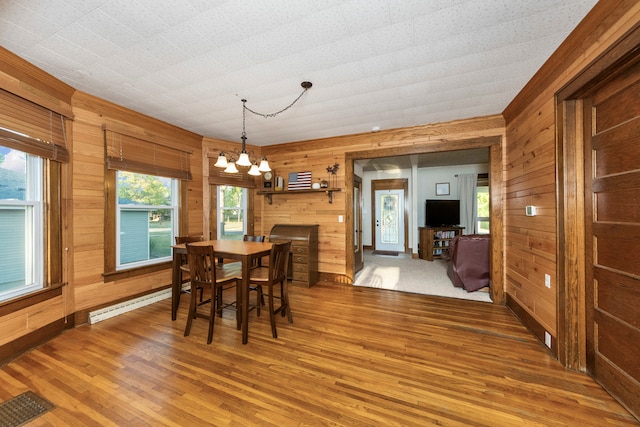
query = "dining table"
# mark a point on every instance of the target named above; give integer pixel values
(240, 250)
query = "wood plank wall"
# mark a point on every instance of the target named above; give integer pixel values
(530, 247)
(530, 167)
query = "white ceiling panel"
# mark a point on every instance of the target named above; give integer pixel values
(36, 23)
(386, 63)
(16, 38)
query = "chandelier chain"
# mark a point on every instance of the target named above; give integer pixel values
(244, 108)
(268, 115)
(244, 159)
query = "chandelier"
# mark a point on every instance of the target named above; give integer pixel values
(230, 164)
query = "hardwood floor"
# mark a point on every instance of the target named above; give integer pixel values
(352, 357)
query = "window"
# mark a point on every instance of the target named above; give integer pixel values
(147, 211)
(232, 210)
(145, 191)
(33, 157)
(483, 216)
(21, 223)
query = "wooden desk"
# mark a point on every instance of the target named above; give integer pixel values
(239, 250)
(303, 262)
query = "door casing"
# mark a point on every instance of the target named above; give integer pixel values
(570, 201)
(358, 255)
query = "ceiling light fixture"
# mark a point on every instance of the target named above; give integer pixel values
(243, 157)
(231, 166)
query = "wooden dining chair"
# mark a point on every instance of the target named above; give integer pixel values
(256, 263)
(252, 238)
(183, 257)
(206, 276)
(235, 266)
(188, 239)
(184, 263)
(272, 276)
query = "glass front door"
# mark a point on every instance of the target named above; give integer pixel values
(390, 220)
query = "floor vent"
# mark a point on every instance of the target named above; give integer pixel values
(114, 310)
(22, 409)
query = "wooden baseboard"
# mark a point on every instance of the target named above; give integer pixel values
(532, 324)
(26, 342)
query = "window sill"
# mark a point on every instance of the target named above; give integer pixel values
(133, 272)
(29, 299)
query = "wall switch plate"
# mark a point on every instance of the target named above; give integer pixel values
(340, 218)
(547, 339)
(547, 281)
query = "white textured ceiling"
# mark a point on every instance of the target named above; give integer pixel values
(373, 63)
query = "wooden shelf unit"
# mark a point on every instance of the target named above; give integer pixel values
(435, 240)
(270, 193)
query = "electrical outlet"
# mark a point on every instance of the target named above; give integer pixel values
(547, 339)
(547, 281)
(340, 218)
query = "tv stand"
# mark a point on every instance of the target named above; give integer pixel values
(435, 240)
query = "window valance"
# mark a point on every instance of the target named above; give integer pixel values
(31, 128)
(139, 154)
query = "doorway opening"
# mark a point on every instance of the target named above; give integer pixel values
(492, 145)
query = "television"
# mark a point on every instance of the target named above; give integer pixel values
(442, 213)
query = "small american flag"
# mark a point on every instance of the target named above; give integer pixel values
(299, 181)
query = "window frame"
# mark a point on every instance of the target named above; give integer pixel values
(111, 273)
(33, 206)
(175, 221)
(482, 184)
(243, 207)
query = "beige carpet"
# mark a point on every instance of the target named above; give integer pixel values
(405, 274)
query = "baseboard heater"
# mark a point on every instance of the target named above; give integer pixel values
(123, 307)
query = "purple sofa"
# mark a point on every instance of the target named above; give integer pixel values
(468, 261)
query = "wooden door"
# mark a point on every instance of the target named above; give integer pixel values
(358, 256)
(612, 172)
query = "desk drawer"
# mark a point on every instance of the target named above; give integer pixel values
(297, 268)
(300, 259)
(300, 250)
(300, 276)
